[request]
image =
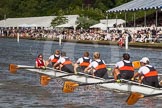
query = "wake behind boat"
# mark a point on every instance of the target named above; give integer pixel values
(123, 85)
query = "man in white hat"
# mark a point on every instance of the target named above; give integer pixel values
(147, 73)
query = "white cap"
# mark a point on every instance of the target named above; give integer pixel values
(144, 60)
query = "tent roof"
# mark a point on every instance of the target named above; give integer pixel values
(137, 5)
(44, 21)
(111, 22)
(64, 25)
(99, 25)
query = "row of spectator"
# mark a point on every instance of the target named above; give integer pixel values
(142, 35)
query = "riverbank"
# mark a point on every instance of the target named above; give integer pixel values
(135, 44)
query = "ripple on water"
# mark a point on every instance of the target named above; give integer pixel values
(24, 90)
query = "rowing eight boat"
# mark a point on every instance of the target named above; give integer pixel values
(125, 85)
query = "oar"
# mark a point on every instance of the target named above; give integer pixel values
(13, 68)
(134, 97)
(70, 86)
(136, 64)
(44, 79)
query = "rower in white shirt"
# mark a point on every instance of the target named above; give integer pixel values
(82, 62)
(64, 63)
(98, 66)
(53, 58)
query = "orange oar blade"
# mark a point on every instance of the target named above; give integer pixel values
(69, 86)
(136, 64)
(13, 68)
(44, 80)
(133, 98)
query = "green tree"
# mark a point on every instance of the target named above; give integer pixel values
(59, 20)
(120, 2)
(93, 9)
(85, 22)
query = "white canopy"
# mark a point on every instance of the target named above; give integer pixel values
(111, 22)
(137, 5)
(64, 25)
(29, 25)
(100, 26)
(44, 21)
(23, 25)
(34, 25)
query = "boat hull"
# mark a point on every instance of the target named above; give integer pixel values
(125, 85)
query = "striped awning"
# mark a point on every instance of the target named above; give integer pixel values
(137, 5)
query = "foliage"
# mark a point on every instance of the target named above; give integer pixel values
(85, 22)
(94, 10)
(59, 20)
(30, 8)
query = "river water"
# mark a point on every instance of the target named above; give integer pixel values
(22, 90)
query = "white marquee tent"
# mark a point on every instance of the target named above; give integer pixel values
(64, 25)
(137, 5)
(44, 21)
(108, 23)
(111, 22)
(100, 26)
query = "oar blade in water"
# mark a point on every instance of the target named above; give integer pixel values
(44, 80)
(133, 98)
(69, 86)
(13, 68)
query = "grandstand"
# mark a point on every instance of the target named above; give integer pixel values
(137, 5)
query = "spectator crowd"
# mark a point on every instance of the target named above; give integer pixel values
(142, 35)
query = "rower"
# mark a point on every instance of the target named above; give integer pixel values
(97, 67)
(147, 74)
(82, 62)
(124, 68)
(64, 63)
(40, 62)
(53, 58)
